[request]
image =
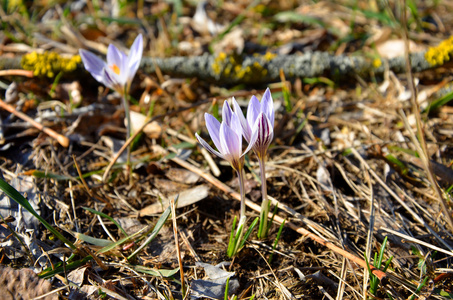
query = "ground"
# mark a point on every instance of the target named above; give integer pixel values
(359, 166)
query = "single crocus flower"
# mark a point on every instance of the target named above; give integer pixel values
(263, 113)
(260, 122)
(227, 137)
(117, 73)
(119, 70)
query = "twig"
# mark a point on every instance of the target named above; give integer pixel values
(17, 72)
(64, 141)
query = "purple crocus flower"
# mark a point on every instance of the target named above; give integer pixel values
(260, 118)
(227, 137)
(119, 70)
(259, 122)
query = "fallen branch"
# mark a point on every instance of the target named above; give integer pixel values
(261, 69)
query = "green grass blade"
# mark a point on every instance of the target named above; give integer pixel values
(381, 253)
(16, 196)
(419, 288)
(436, 104)
(277, 238)
(121, 241)
(107, 217)
(42, 174)
(91, 240)
(249, 231)
(160, 223)
(227, 287)
(231, 243)
(48, 273)
(154, 272)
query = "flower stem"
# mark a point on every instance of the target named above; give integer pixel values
(262, 232)
(241, 178)
(128, 126)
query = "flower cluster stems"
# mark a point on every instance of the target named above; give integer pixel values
(128, 125)
(241, 178)
(263, 228)
(236, 238)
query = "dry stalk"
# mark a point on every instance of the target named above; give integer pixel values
(178, 250)
(369, 240)
(420, 143)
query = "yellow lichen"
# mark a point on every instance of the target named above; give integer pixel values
(232, 66)
(269, 56)
(49, 63)
(219, 62)
(441, 53)
(377, 62)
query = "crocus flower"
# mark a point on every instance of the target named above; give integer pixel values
(227, 137)
(263, 114)
(119, 70)
(259, 122)
(117, 73)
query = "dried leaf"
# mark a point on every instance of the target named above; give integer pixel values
(152, 130)
(186, 198)
(214, 288)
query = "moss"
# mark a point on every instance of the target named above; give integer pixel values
(49, 63)
(441, 53)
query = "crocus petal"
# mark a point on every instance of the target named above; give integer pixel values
(231, 144)
(227, 113)
(213, 126)
(208, 147)
(93, 64)
(111, 81)
(135, 56)
(265, 134)
(267, 106)
(253, 110)
(246, 129)
(252, 141)
(235, 125)
(117, 62)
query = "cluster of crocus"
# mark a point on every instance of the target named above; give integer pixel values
(257, 129)
(117, 73)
